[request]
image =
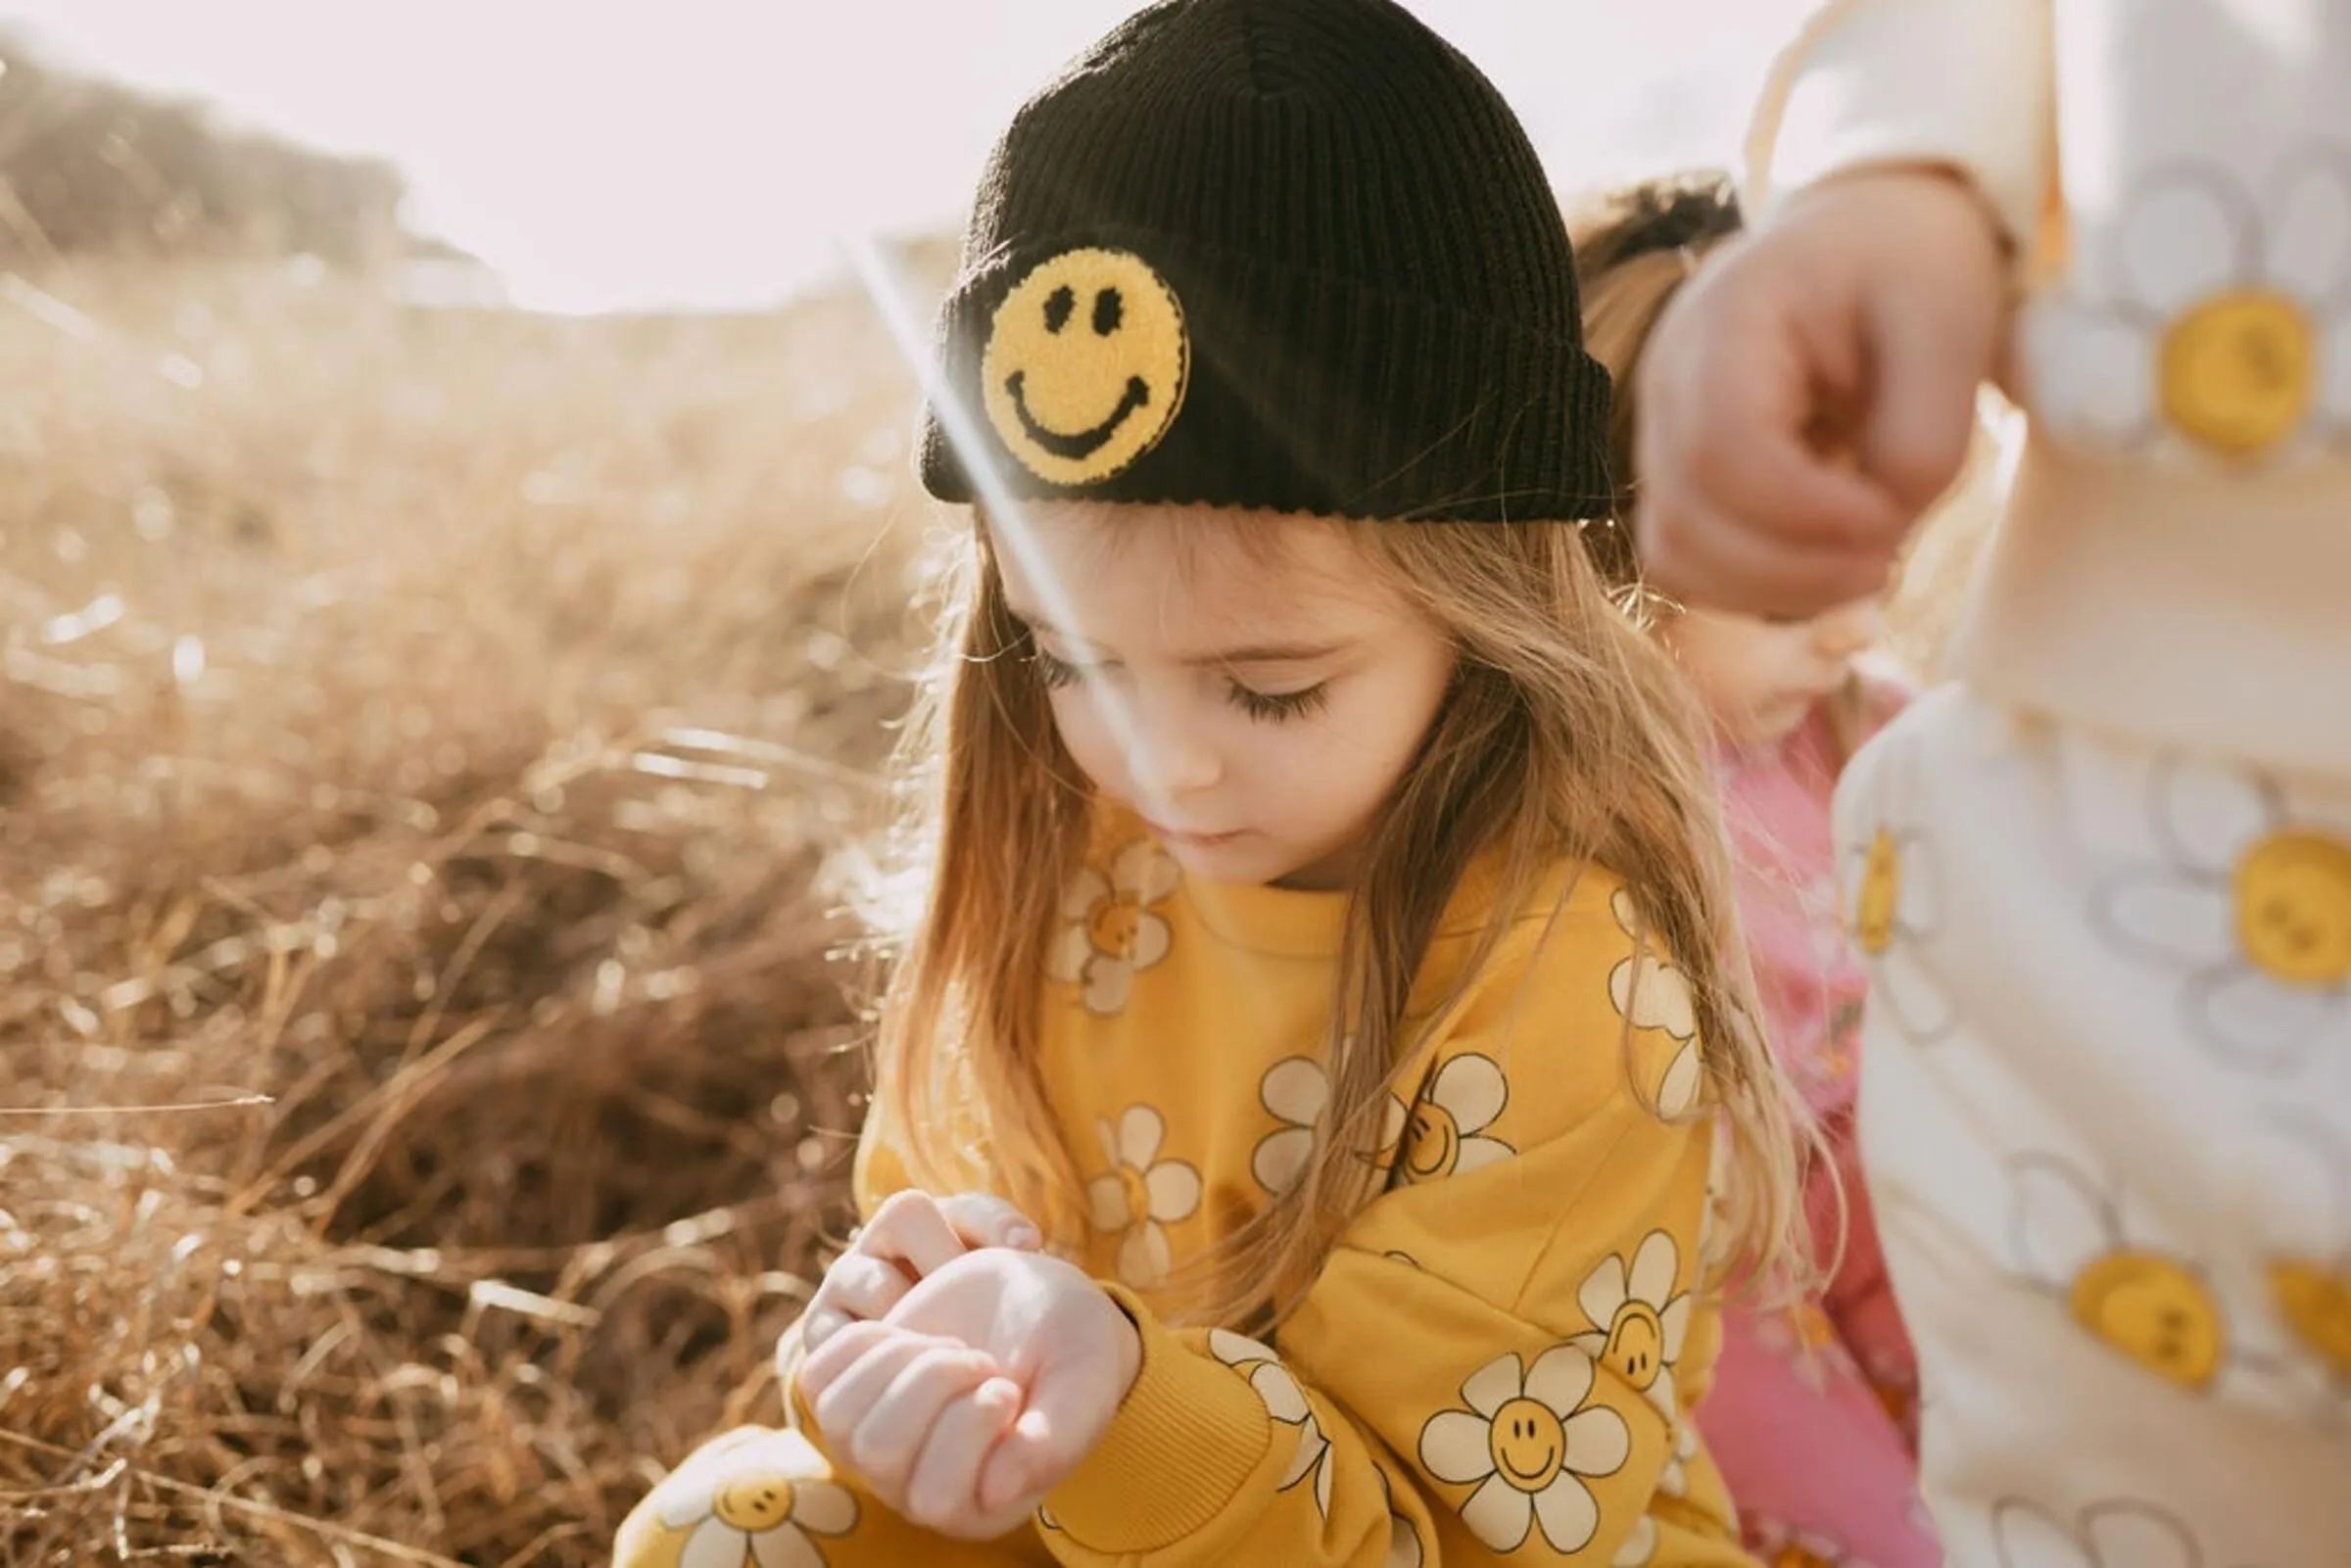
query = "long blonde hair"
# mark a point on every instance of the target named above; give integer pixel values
(1567, 737)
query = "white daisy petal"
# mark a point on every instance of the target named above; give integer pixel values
(1323, 1469)
(1284, 1401)
(1152, 939)
(1237, 1350)
(2206, 815)
(1141, 1130)
(1660, 1394)
(1072, 949)
(2128, 1534)
(2308, 230)
(1476, 1154)
(1654, 1268)
(1597, 1442)
(1281, 1158)
(2057, 1221)
(1174, 1189)
(1677, 1093)
(785, 1548)
(1918, 906)
(1294, 1090)
(714, 1545)
(1499, 1514)
(1492, 1386)
(1403, 1542)
(1639, 1546)
(824, 1508)
(1106, 1198)
(1457, 1447)
(2090, 373)
(1472, 1091)
(2181, 240)
(1605, 1291)
(2335, 375)
(1922, 1015)
(1567, 1513)
(1144, 1256)
(1560, 1379)
(2028, 1532)
(1674, 1323)
(2162, 915)
(1147, 871)
(1627, 913)
(2259, 1022)
(1086, 889)
(686, 1498)
(1109, 983)
(1305, 1460)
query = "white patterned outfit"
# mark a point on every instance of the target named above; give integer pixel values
(2107, 875)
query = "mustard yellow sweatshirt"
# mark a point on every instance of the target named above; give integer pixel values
(1500, 1357)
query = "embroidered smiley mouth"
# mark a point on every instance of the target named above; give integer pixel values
(1086, 443)
(1509, 1468)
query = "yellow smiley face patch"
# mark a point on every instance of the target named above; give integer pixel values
(1085, 365)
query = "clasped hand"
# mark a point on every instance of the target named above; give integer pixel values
(976, 1383)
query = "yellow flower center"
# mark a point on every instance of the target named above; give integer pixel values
(1881, 895)
(2154, 1312)
(753, 1503)
(1529, 1444)
(1636, 1346)
(1433, 1142)
(1114, 924)
(2239, 371)
(2315, 1304)
(1133, 1184)
(2293, 908)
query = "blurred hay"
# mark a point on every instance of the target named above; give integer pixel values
(100, 167)
(444, 726)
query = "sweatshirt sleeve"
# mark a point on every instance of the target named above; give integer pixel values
(1496, 1362)
(1962, 83)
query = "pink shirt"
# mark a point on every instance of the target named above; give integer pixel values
(1775, 803)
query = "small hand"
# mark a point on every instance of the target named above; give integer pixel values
(986, 1386)
(1813, 390)
(911, 1235)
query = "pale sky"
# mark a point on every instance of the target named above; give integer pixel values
(713, 152)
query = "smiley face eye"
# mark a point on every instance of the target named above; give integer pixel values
(1109, 311)
(1058, 306)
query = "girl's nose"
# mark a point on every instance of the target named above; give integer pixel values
(1174, 759)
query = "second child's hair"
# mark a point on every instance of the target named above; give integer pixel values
(1567, 737)
(1635, 247)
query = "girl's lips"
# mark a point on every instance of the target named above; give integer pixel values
(1191, 841)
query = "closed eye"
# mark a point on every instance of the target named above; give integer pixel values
(1054, 673)
(1275, 707)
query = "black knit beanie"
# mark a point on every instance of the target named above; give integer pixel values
(1286, 254)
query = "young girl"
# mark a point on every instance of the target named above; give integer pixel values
(2104, 879)
(1812, 1414)
(1322, 970)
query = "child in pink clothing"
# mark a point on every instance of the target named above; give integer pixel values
(1812, 1417)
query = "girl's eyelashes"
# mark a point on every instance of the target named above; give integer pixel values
(1054, 673)
(1273, 707)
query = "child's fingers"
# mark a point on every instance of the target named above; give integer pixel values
(1713, 561)
(848, 1349)
(890, 1434)
(911, 1228)
(942, 1490)
(859, 1286)
(982, 1219)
